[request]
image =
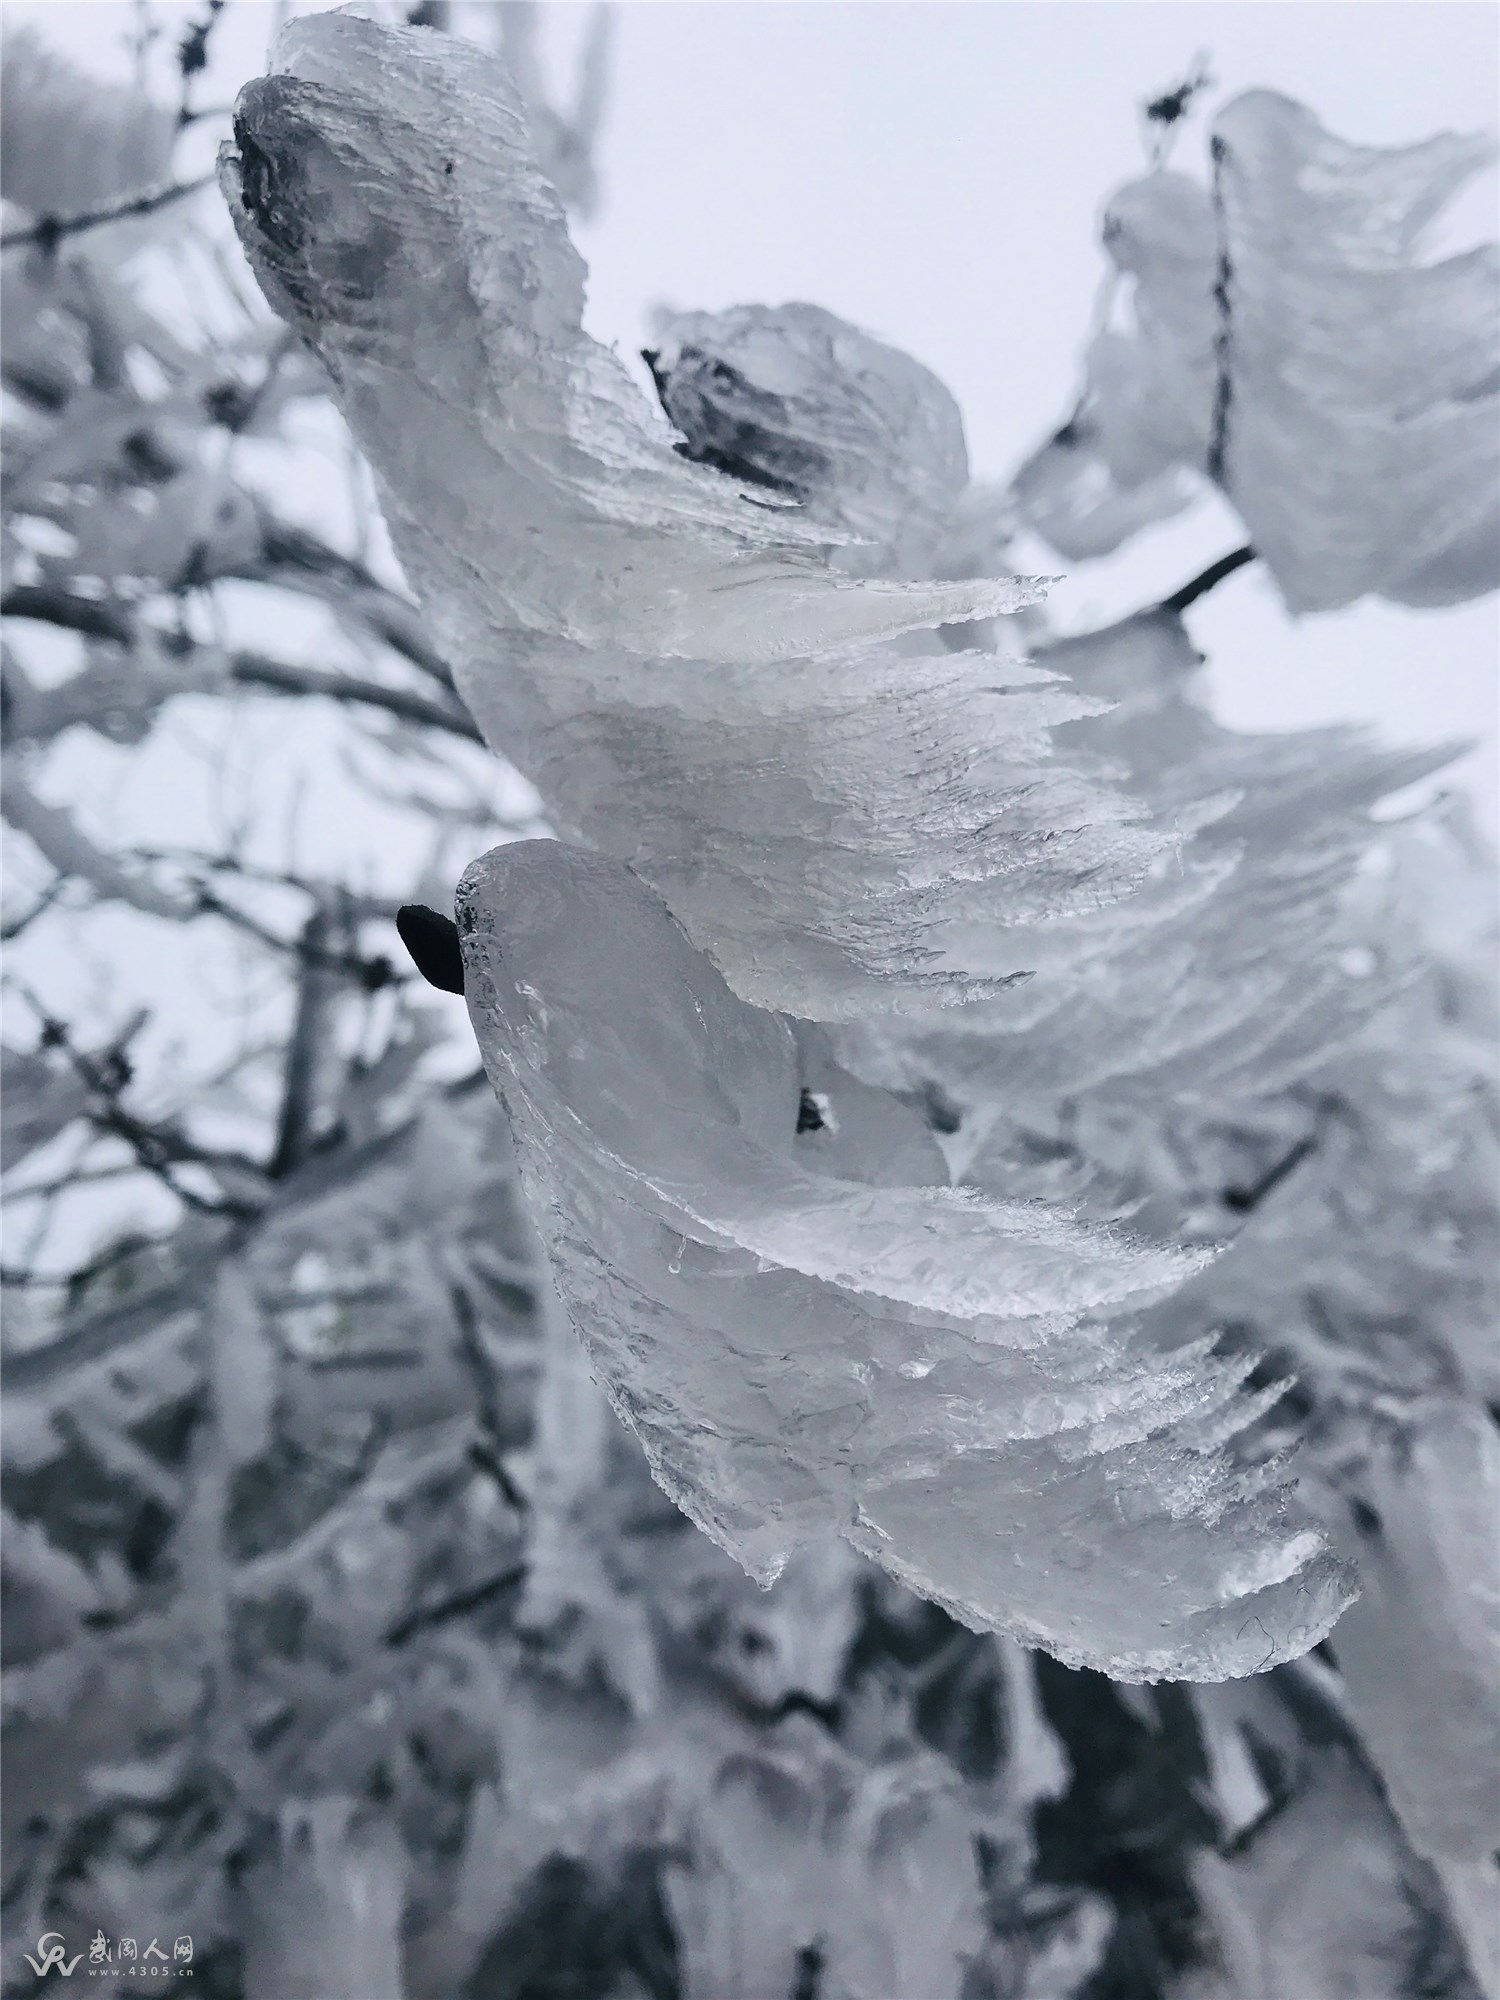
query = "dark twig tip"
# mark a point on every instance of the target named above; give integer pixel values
(432, 941)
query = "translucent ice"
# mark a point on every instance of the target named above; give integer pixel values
(802, 1351)
(1285, 337)
(796, 399)
(1229, 971)
(667, 652)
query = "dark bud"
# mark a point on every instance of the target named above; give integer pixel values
(433, 943)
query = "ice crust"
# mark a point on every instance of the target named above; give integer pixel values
(794, 398)
(918, 1368)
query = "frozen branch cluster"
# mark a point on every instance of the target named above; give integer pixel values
(719, 659)
(807, 1342)
(1285, 337)
(688, 680)
(345, 1629)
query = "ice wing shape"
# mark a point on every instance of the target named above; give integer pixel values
(1285, 336)
(1357, 411)
(666, 652)
(1230, 972)
(804, 1353)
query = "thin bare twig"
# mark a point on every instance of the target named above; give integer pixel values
(88, 615)
(1200, 585)
(282, 677)
(50, 230)
(158, 1148)
(305, 1052)
(98, 620)
(456, 1606)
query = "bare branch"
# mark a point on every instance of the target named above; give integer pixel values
(282, 677)
(18, 926)
(62, 842)
(311, 1030)
(457, 1605)
(1200, 585)
(98, 620)
(88, 615)
(159, 1148)
(50, 230)
(298, 560)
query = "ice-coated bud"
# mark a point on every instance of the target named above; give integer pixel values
(796, 399)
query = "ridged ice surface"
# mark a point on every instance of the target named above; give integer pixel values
(830, 806)
(714, 652)
(1286, 336)
(1231, 970)
(803, 1344)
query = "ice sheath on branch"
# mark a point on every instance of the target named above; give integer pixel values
(1285, 338)
(845, 822)
(811, 1334)
(808, 1330)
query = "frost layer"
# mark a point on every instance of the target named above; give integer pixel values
(833, 810)
(809, 1332)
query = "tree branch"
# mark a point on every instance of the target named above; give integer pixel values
(282, 677)
(98, 620)
(461, 1601)
(297, 560)
(50, 230)
(310, 1029)
(158, 1148)
(1200, 585)
(59, 839)
(49, 606)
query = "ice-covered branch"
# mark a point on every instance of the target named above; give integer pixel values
(1286, 335)
(670, 654)
(812, 1334)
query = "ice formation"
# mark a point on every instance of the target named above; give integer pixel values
(805, 1346)
(798, 400)
(1231, 970)
(848, 819)
(1285, 338)
(734, 661)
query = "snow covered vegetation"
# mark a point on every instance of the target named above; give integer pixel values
(939, 1440)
